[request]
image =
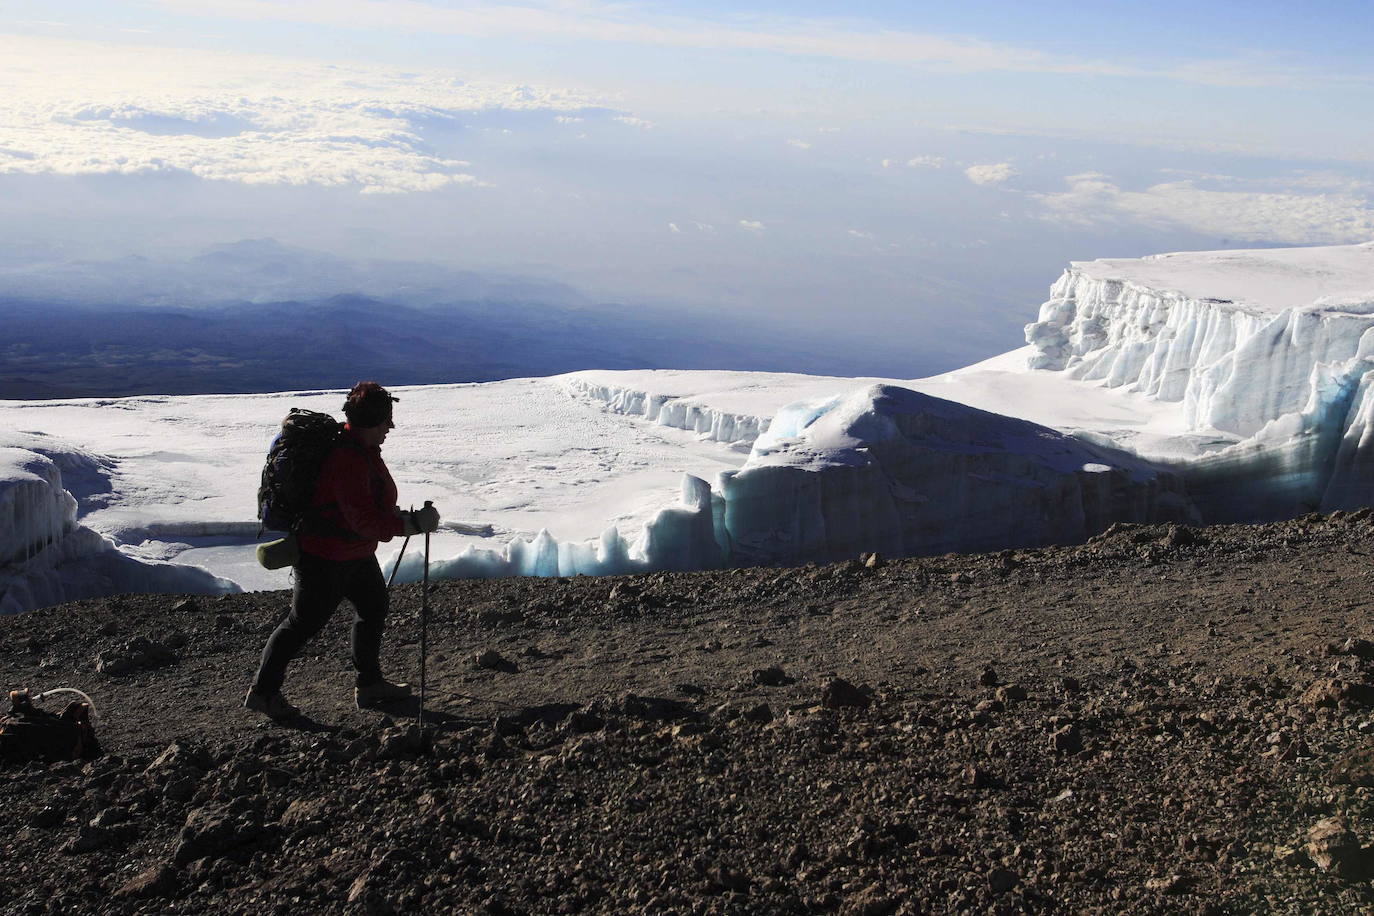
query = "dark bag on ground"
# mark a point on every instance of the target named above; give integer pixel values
(29, 733)
(293, 467)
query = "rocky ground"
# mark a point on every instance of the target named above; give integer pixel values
(1161, 720)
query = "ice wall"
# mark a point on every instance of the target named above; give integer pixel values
(669, 410)
(684, 536)
(880, 469)
(1279, 357)
(889, 469)
(47, 558)
(1233, 367)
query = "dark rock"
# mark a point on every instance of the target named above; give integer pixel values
(976, 777)
(1331, 845)
(1360, 648)
(188, 606)
(181, 789)
(582, 723)
(136, 654)
(211, 832)
(305, 814)
(110, 817)
(839, 693)
(761, 714)
(1001, 880)
(1011, 693)
(1066, 740)
(1334, 692)
(1168, 884)
(47, 817)
(727, 879)
(495, 617)
(400, 743)
(988, 677)
(772, 676)
(1355, 768)
(1070, 684)
(88, 839)
(158, 881)
(368, 893)
(491, 660)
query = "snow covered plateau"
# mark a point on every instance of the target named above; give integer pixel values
(1193, 387)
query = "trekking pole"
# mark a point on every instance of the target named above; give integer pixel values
(424, 627)
(400, 556)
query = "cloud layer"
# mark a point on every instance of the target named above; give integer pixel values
(1241, 215)
(82, 109)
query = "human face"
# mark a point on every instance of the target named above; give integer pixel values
(376, 435)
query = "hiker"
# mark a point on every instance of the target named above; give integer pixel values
(354, 507)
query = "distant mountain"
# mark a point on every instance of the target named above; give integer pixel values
(83, 350)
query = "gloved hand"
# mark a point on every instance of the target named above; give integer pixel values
(421, 521)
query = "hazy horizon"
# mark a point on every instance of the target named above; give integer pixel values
(899, 174)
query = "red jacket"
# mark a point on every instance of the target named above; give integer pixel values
(356, 497)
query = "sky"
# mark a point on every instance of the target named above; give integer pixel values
(896, 174)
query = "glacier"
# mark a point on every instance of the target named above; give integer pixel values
(47, 558)
(1269, 354)
(1193, 387)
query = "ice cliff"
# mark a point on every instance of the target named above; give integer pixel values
(881, 468)
(890, 469)
(46, 557)
(1270, 353)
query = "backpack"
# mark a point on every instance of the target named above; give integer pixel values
(29, 733)
(293, 466)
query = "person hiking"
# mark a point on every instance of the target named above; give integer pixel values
(354, 507)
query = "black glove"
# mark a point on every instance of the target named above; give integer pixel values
(421, 521)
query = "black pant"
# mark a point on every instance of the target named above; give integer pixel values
(318, 587)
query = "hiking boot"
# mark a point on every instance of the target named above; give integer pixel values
(380, 692)
(272, 705)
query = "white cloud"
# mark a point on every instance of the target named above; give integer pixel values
(916, 162)
(799, 144)
(76, 108)
(752, 225)
(860, 234)
(992, 174)
(636, 122)
(1255, 216)
(673, 227)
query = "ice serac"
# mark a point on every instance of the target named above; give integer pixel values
(1270, 349)
(46, 557)
(683, 536)
(889, 469)
(667, 409)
